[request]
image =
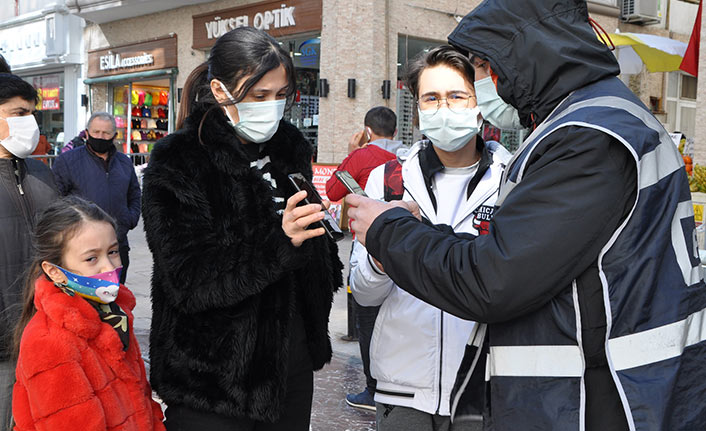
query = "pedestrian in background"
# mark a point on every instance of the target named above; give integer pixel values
(27, 187)
(589, 279)
(454, 176)
(78, 141)
(99, 173)
(368, 149)
(241, 291)
(79, 364)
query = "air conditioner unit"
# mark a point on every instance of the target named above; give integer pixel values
(641, 11)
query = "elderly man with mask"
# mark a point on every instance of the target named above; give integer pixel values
(26, 188)
(99, 173)
(589, 279)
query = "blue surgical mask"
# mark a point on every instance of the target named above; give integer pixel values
(493, 108)
(449, 130)
(101, 287)
(258, 120)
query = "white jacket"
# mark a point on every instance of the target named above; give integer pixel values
(416, 349)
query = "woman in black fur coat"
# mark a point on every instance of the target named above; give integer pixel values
(241, 292)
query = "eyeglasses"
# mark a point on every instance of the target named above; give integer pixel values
(456, 101)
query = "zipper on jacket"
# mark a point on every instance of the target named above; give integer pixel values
(441, 360)
(17, 177)
(24, 205)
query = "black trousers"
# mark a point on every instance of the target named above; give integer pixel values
(296, 407)
(125, 259)
(365, 323)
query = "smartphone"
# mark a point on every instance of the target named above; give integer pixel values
(312, 197)
(346, 178)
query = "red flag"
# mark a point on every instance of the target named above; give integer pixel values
(690, 62)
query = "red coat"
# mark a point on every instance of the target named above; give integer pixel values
(72, 372)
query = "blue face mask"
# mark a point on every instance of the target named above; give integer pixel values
(101, 288)
(493, 108)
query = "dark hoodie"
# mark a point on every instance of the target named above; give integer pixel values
(541, 50)
(578, 186)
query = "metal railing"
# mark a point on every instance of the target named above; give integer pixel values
(137, 158)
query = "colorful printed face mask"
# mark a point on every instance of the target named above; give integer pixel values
(101, 288)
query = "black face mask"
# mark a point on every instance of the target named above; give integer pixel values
(100, 146)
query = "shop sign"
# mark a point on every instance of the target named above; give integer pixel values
(279, 18)
(112, 61)
(48, 91)
(142, 56)
(24, 44)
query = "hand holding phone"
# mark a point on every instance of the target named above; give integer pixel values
(351, 184)
(328, 223)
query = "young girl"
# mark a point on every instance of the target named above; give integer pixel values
(79, 365)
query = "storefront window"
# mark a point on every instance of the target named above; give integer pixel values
(681, 103)
(306, 52)
(141, 110)
(49, 110)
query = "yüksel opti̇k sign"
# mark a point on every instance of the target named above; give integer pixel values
(160, 53)
(278, 18)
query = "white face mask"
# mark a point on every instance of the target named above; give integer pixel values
(494, 109)
(449, 130)
(258, 120)
(24, 135)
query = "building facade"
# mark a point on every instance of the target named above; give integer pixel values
(42, 44)
(349, 56)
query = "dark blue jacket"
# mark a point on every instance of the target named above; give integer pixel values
(113, 187)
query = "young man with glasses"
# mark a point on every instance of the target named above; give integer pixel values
(453, 176)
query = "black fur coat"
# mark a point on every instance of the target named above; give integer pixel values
(226, 278)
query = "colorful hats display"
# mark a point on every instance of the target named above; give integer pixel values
(119, 122)
(151, 123)
(155, 98)
(146, 112)
(164, 98)
(148, 99)
(135, 97)
(141, 97)
(119, 109)
(136, 135)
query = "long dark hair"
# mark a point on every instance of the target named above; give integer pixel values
(59, 222)
(242, 52)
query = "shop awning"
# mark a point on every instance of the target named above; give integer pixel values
(131, 76)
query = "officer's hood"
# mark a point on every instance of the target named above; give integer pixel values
(541, 50)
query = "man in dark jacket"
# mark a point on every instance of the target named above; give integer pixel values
(99, 173)
(589, 280)
(26, 187)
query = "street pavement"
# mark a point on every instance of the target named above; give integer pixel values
(331, 384)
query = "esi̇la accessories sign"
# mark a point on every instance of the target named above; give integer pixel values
(155, 54)
(278, 18)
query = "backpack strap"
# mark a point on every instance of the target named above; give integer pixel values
(393, 186)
